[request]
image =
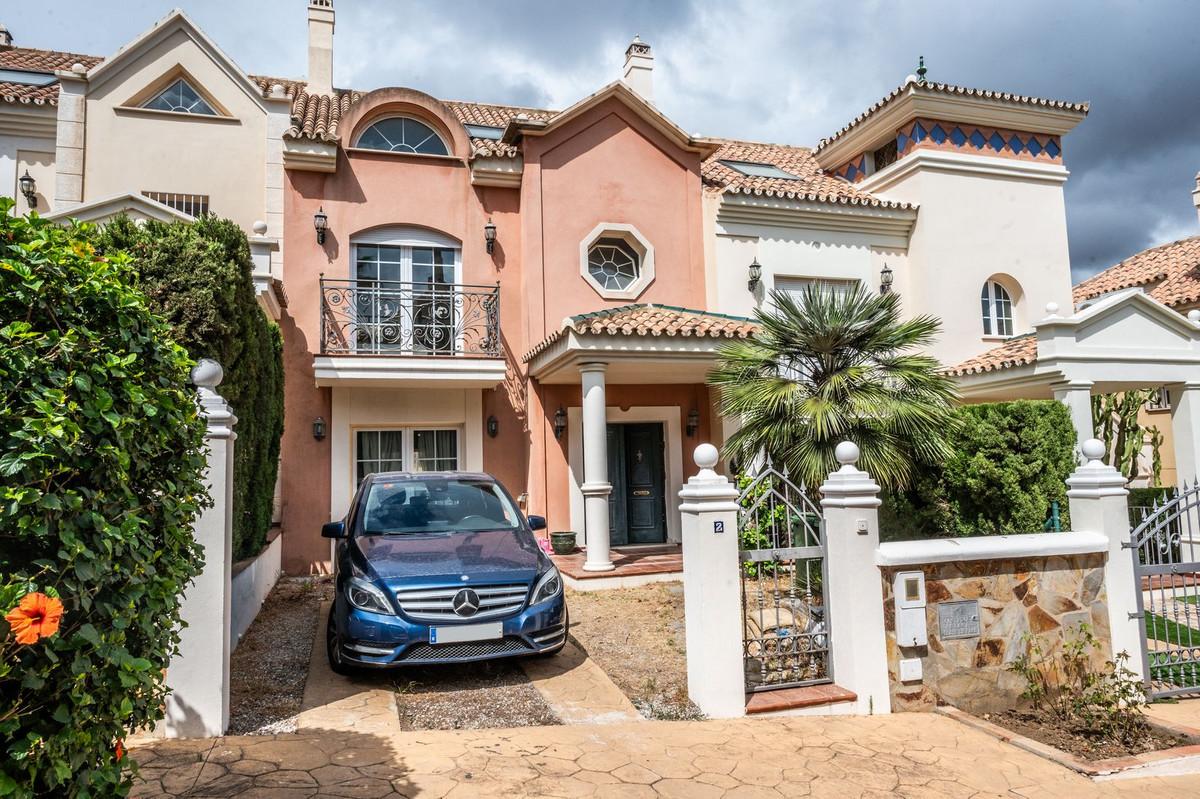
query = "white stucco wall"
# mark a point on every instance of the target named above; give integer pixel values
(249, 587)
(378, 409)
(222, 157)
(19, 153)
(979, 217)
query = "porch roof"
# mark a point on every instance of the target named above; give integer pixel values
(646, 342)
(1123, 341)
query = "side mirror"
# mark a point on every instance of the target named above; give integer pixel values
(333, 530)
(537, 522)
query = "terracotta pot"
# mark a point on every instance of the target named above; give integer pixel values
(563, 543)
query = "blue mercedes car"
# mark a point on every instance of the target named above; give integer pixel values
(440, 567)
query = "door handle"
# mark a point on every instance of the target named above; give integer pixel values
(641, 492)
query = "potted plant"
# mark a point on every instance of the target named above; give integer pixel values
(563, 542)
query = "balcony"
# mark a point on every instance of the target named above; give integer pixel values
(382, 333)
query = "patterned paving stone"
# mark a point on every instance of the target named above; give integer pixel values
(904, 755)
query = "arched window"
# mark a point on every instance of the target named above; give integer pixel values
(996, 305)
(402, 135)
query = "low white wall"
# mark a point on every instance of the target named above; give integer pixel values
(989, 547)
(250, 585)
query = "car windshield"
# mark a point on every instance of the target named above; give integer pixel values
(437, 505)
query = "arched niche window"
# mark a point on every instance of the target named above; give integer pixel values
(996, 306)
(402, 135)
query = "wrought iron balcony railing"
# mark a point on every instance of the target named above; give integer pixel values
(377, 317)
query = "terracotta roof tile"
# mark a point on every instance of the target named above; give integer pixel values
(1169, 273)
(1017, 351)
(494, 116)
(811, 183)
(651, 320)
(30, 59)
(961, 91)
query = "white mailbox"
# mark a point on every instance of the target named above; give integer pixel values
(908, 589)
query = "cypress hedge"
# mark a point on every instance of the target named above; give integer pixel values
(198, 276)
(1010, 462)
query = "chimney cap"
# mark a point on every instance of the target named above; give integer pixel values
(637, 47)
(5, 36)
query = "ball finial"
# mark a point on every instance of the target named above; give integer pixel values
(1194, 316)
(847, 453)
(706, 456)
(1093, 449)
(259, 227)
(1052, 309)
(207, 373)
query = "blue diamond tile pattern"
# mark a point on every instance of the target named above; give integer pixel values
(1052, 149)
(901, 142)
(937, 134)
(1034, 147)
(977, 140)
(958, 137)
(1015, 143)
(918, 133)
(996, 142)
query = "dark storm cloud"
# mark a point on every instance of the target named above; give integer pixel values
(775, 71)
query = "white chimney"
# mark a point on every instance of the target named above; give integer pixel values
(320, 46)
(5, 37)
(639, 69)
(1196, 194)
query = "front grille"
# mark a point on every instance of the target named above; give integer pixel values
(465, 651)
(437, 604)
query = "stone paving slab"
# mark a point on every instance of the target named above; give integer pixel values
(577, 689)
(903, 755)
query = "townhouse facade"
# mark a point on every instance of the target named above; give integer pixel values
(536, 293)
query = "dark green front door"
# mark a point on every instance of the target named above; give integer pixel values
(636, 507)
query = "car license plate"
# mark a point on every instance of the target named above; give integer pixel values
(461, 633)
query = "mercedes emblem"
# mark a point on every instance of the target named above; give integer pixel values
(466, 602)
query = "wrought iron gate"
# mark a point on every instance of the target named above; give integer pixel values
(781, 535)
(1166, 553)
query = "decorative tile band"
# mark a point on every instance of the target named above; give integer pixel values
(934, 134)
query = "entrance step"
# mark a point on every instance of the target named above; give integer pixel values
(809, 696)
(634, 566)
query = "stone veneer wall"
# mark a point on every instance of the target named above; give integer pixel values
(1042, 595)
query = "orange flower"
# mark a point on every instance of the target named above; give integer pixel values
(120, 750)
(35, 617)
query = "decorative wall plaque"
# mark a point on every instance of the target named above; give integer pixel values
(958, 619)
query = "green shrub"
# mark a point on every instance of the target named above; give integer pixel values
(198, 276)
(1010, 461)
(100, 482)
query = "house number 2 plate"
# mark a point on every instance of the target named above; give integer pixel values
(718, 527)
(958, 619)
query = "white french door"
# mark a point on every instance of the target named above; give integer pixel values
(406, 298)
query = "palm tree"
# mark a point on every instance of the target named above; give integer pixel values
(830, 366)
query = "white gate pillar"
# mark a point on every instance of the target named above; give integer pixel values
(1098, 504)
(853, 585)
(1077, 396)
(1185, 427)
(712, 588)
(198, 677)
(596, 486)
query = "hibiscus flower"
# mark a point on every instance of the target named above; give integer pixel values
(35, 617)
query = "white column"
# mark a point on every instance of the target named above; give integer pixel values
(71, 135)
(1185, 426)
(1098, 504)
(853, 585)
(198, 677)
(712, 590)
(1077, 396)
(596, 486)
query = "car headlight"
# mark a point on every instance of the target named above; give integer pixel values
(366, 596)
(548, 587)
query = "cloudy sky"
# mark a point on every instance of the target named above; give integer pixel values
(785, 71)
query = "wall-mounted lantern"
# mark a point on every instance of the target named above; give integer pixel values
(321, 223)
(319, 428)
(755, 274)
(489, 236)
(885, 280)
(560, 422)
(28, 188)
(493, 426)
(693, 422)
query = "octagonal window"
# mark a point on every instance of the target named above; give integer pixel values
(614, 264)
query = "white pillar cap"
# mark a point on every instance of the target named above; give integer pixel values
(1095, 479)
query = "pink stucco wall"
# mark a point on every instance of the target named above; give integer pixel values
(606, 165)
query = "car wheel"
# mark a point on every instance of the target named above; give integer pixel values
(333, 649)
